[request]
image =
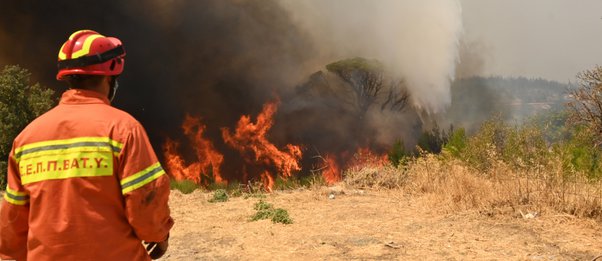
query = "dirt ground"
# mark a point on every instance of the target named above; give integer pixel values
(370, 225)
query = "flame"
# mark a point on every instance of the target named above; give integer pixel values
(208, 160)
(250, 140)
(262, 159)
(366, 157)
(331, 171)
(268, 180)
(173, 162)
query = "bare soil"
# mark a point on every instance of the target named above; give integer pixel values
(371, 225)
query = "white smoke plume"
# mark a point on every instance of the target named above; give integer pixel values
(415, 39)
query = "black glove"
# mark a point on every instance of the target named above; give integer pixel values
(157, 249)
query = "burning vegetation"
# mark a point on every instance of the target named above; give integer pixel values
(354, 89)
(209, 62)
(250, 140)
(206, 167)
(262, 159)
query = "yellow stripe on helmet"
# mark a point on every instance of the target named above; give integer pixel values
(86, 46)
(62, 54)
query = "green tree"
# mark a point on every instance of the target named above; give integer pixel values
(20, 103)
(456, 142)
(398, 155)
(432, 140)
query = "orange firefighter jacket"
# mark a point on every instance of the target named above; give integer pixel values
(83, 184)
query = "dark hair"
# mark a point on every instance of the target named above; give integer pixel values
(83, 81)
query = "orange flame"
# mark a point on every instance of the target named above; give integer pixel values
(208, 162)
(268, 180)
(366, 157)
(331, 171)
(250, 138)
(262, 159)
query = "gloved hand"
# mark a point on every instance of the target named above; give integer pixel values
(157, 249)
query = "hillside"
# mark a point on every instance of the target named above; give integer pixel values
(477, 99)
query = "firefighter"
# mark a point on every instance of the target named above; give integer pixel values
(83, 180)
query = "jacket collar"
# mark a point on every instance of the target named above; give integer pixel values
(79, 96)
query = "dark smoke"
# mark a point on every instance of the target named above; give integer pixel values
(222, 59)
(214, 59)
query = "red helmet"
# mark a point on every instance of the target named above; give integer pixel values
(88, 52)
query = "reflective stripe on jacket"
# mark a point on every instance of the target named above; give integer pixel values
(83, 184)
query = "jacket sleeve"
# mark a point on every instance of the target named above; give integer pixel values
(14, 215)
(145, 188)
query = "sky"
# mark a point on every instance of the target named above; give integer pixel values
(551, 39)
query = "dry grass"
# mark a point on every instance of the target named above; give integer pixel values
(369, 225)
(376, 177)
(453, 186)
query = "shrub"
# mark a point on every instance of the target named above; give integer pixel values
(219, 195)
(20, 103)
(525, 147)
(294, 182)
(456, 144)
(484, 147)
(579, 155)
(521, 147)
(280, 215)
(398, 155)
(267, 211)
(262, 205)
(184, 186)
(432, 141)
(264, 210)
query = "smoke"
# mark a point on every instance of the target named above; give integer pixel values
(474, 56)
(473, 99)
(218, 60)
(416, 40)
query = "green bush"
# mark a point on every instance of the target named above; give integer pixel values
(184, 186)
(220, 195)
(432, 140)
(526, 147)
(554, 126)
(262, 205)
(296, 182)
(267, 211)
(3, 170)
(535, 144)
(518, 146)
(398, 155)
(456, 143)
(485, 146)
(20, 103)
(264, 210)
(280, 215)
(579, 154)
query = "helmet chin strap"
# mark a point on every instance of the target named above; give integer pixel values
(113, 86)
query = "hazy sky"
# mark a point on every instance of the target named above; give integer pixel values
(552, 39)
